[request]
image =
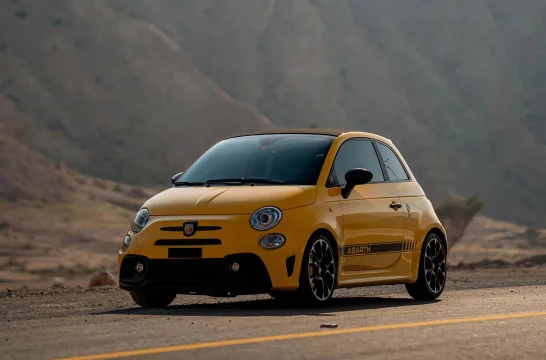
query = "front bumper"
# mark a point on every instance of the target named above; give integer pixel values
(201, 263)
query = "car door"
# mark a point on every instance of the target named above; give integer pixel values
(373, 222)
(410, 192)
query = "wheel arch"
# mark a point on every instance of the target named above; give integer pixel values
(327, 233)
(441, 235)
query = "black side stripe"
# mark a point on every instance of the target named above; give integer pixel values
(382, 248)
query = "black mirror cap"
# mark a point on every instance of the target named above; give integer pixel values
(358, 176)
(175, 177)
(355, 177)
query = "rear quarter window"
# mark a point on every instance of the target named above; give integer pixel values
(395, 169)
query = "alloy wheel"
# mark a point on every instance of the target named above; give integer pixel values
(321, 269)
(435, 265)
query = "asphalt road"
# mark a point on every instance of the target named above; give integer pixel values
(483, 314)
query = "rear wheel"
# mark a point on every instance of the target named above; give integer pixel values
(153, 299)
(432, 270)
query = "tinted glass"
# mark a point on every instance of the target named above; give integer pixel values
(395, 170)
(357, 154)
(293, 158)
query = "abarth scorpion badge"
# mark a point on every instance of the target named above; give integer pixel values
(189, 228)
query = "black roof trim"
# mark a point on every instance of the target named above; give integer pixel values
(312, 131)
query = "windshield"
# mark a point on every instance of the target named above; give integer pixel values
(295, 159)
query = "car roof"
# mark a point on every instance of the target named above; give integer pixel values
(317, 131)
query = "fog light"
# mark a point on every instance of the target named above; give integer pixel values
(139, 267)
(272, 241)
(125, 244)
(235, 266)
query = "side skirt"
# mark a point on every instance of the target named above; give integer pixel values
(402, 272)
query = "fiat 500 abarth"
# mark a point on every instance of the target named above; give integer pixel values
(292, 214)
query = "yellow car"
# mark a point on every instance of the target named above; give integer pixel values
(295, 214)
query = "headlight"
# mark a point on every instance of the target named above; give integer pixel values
(265, 218)
(141, 219)
(125, 244)
(272, 241)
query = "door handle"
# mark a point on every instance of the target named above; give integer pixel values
(395, 206)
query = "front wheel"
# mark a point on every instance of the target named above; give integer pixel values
(318, 271)
(317, 275)
(153, 299)
(432, 275)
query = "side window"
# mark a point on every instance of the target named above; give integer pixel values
(395, 170)
(356, 154)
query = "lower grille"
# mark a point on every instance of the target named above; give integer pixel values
(207, 276)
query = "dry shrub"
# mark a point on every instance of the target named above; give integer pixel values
(102, 278)
(125, 203)
(58, 283)
(4, 225)
(531, 234)
(101, 184)
(136, 192)
(456, 215)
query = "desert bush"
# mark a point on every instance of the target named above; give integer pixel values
(456, 215)
(101, 184)
(136, 192)
(59, 165)
(102, 278)
(4, 225)
(531, 234)
(58, 283)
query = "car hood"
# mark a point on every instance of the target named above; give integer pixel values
(223, 200)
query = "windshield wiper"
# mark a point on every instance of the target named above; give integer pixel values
(189, 183)
(243, 180)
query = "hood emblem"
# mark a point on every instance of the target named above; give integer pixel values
(190, 228)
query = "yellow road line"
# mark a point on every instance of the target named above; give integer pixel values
(306, 335)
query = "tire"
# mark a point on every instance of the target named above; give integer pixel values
(318, 272)
(153, 299)
(432, 274)
(306, 295)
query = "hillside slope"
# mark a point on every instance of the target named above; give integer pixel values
(110, 94)
(133, 89)
(53, 220)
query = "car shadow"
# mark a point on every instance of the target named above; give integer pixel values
(271, 307)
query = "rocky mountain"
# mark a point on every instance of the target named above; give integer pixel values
(133, 90)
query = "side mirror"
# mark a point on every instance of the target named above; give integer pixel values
(175, 177)
(355, 177)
